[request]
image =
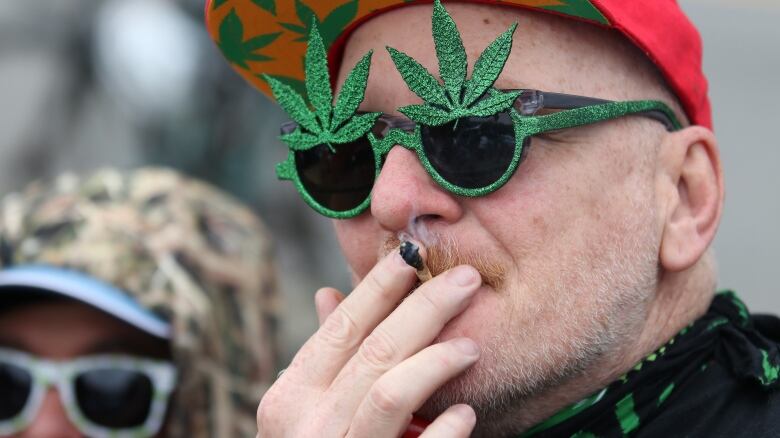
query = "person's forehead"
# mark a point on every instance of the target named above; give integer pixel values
(62, 329)
(548, 52)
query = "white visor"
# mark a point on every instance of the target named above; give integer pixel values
(87, 289)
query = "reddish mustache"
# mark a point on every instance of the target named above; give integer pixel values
(445, 254)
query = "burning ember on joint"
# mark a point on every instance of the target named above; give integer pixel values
(411, 255)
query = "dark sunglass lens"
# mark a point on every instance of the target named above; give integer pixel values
(15, 388)
(114, 398)
(339, 181)
(471, 152)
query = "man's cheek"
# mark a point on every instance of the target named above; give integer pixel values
(359, 243)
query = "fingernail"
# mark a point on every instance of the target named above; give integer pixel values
(467, 346)
(465, 412)
(462, 275)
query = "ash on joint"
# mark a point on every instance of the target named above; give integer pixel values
(411, 254)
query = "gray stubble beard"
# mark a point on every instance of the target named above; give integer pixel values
(540, 358)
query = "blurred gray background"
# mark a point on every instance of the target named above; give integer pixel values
(91, 83)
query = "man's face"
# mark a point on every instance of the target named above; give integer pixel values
(62, 330)
(574, 231)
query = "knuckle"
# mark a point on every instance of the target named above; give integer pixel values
(385, 401)
(265, 411)
(379, 350)
(380, 285)
(339, 330)
(262, 416)
(428, 298)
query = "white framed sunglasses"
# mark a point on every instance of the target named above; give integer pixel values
(104, 395)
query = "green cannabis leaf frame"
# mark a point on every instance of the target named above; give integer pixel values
(322, 123)
(447, 101)
(457, 97)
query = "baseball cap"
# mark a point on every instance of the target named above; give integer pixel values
(269, 36)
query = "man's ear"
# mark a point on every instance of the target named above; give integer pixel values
(691, 191)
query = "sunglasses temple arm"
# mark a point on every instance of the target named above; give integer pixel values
(598, 113)
(532, 101)
(667, 118)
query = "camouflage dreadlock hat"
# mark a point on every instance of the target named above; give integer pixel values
(170, 255)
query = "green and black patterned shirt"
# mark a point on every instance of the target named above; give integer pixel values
(718, 377)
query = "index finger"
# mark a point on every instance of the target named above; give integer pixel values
(325, 353)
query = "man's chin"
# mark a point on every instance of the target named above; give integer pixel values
(457, 390)
(480, 323)
(476, 388)
(500, 401)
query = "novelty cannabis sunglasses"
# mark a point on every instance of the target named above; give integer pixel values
(471, 156)
(104, 396)
(468, 135)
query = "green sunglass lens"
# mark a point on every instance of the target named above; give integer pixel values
(471, 152)
(15, 387)
(340, 180)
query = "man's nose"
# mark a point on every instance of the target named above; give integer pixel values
(52, 421)
(404, 193)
